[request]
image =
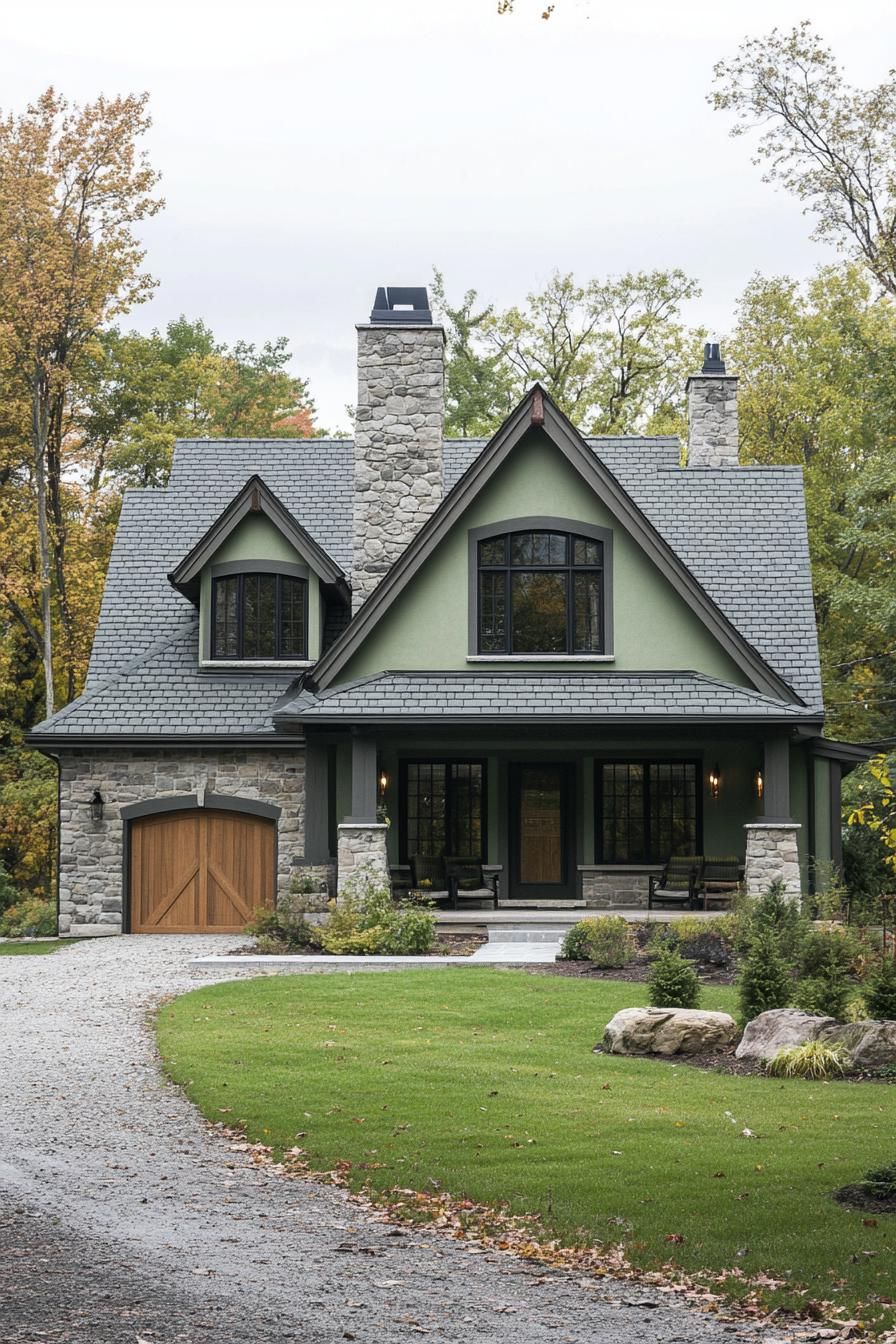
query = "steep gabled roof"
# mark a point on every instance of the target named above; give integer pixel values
(537, 409)
(254, 498)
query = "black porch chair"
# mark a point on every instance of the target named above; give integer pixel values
(677, 883)
(430, 876)
(469, 882)
(719, 879)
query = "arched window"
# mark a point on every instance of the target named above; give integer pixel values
(540, 592)
(259, 616)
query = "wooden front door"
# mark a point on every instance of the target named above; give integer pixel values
(199, 871)
(542, 832)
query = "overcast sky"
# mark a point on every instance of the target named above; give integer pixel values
(311, 151)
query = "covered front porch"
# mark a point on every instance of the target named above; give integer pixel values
(572, 818)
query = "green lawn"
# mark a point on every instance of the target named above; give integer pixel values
(485, 1081)
(34, 949)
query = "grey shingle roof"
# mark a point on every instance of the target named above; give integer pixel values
(163, 692)
(404, 696)
(741, 532)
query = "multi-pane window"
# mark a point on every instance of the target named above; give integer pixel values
(442, 808)
(647, 810)
(260, 616)
(541, 592)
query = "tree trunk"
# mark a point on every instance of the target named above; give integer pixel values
(58, 537)
(39, 428)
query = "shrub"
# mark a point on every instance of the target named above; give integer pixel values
(708, 946)
(824, 995)
(705, 940)
(866, 873)
(9, 895)
(773, 915)
(673, 982)
(365, 922)
(879, 991)
(812, 1059)
(606, 941)
(764, 982)
(31, 918)
(856, 1010)
(880, 1182)
(823, 948)
(282, 930)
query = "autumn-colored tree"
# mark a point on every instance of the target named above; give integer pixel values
(72, 186)
(829, 144)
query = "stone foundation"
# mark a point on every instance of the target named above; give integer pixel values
(91, 853)
(609, 888)
(772, 856)
(361, 843)
(317, 883)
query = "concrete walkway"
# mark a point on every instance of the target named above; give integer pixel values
(122, 1217)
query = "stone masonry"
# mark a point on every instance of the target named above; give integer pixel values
(91, 853)
(398, 479)
(712, 420)
(361, 843)
(772, 856)
(608, 888)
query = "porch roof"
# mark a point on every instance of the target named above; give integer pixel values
(404, 698)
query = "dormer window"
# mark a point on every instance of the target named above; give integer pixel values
(262, 617)
(540, 592)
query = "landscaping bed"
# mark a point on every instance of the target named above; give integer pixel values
(444, 945)
(481, 1091)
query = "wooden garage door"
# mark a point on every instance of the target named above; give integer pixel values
(199, 871)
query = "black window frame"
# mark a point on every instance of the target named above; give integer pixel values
(651, 854)
(569, 569)
(448, 762)
(279, 580)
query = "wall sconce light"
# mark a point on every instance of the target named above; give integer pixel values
(715, 780)
(760, 784)
(384, 782)
(97, 803)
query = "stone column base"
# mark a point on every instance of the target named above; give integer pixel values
(772, 856)
(360, 843)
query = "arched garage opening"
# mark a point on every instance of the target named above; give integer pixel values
(198, 869)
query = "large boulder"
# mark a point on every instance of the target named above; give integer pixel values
(778, 1029)
(667, 1031)
(868, 1044)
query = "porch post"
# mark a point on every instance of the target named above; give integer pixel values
(772, 850)
(362, 839)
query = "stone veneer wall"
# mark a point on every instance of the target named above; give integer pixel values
(360, 843)
(91, 854)
(712, 420)
(772, 856)
(399, 426)
(609, 888)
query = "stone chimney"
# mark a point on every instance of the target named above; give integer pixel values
(399, 427)
(712, 413)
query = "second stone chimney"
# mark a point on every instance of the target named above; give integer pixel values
(712, 413)
(399, 427)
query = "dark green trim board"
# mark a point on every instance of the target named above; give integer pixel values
(255, 497)
(620, 504)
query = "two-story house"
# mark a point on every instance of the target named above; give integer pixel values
(568, 656)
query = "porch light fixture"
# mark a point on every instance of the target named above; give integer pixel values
(715, 780)
(760, 784)
(384, 782)
(97, 803)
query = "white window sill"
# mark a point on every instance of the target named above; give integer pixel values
(541, 658)
(254, 664)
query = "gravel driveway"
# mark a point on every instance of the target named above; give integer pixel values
(122, 1219)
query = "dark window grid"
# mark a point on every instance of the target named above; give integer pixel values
(442, 808)
(287, 614)
(487, 600)
(632, 798)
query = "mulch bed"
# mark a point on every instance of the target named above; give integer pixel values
(445, 945)
(636, 972)
(854, 1197)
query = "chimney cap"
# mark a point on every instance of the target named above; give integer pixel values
(397, 304)
(712, 358)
